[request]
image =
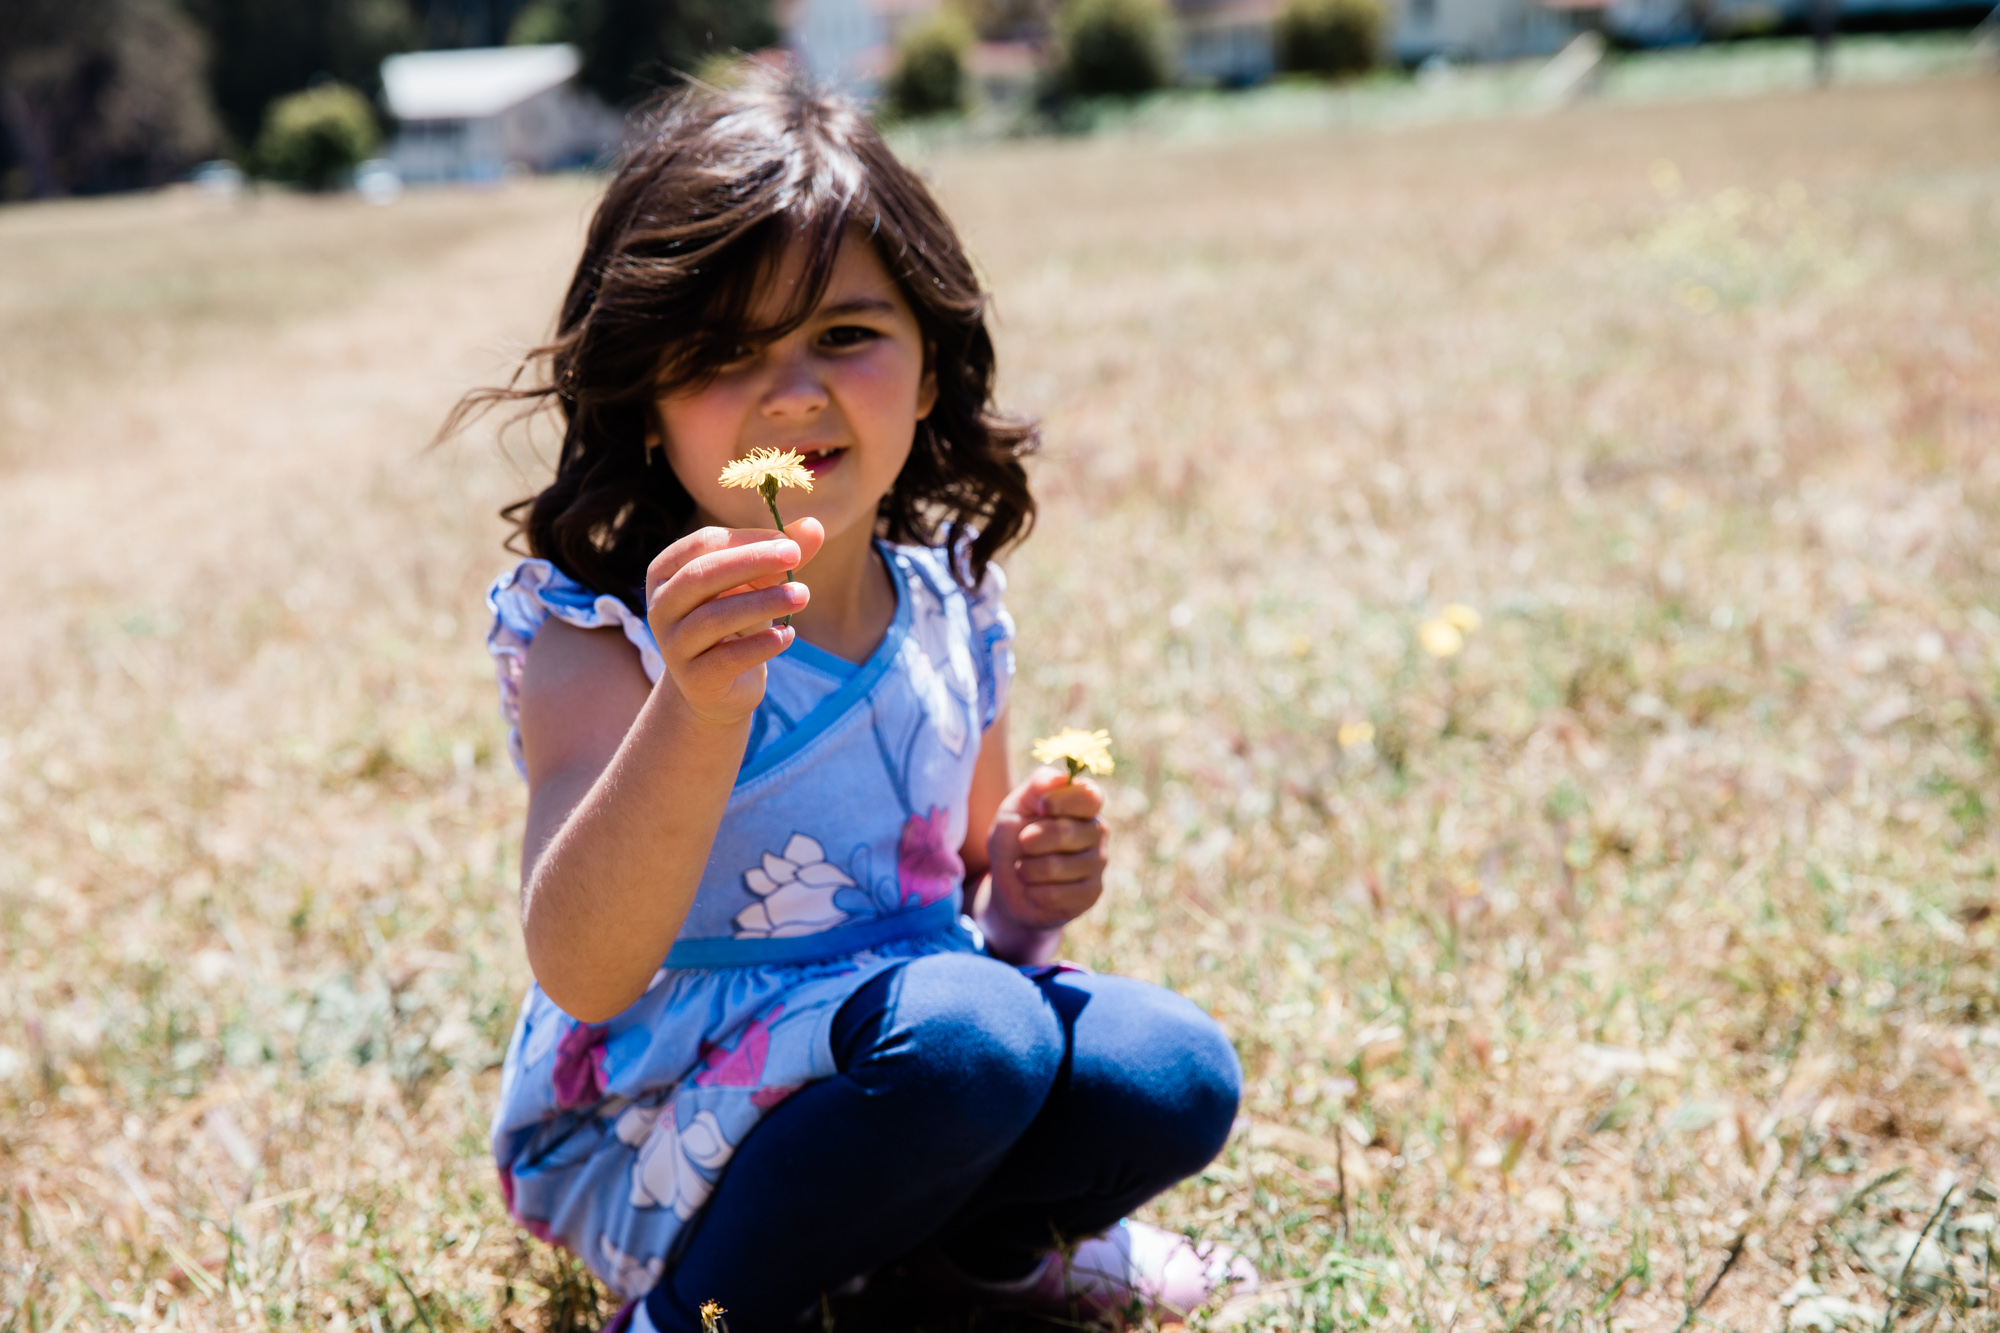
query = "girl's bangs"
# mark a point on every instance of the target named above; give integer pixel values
(748, 263)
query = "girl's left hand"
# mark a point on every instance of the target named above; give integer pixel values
(1046, 853)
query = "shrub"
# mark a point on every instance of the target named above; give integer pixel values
(1330, 37)
(316, 137)
(930, 67)
(1115, 47)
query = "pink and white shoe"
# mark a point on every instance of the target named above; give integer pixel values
(1132, 1264)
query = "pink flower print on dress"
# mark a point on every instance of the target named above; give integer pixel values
(579, 1068)
(927, 868)
(742, 1065)
(795, 893)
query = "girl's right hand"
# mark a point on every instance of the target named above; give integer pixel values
(712, 599)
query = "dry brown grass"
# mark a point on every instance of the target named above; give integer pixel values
(1651, 938)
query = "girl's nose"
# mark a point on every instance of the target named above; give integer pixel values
(795, 389)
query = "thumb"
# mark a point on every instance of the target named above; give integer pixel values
(1039, 784)
(810, 536)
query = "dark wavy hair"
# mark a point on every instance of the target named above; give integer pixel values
(717, 184)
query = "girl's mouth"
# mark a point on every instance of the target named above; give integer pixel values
(820, 461)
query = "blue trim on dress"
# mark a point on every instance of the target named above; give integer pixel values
(819, 659)
(721, 953)
(852, 691)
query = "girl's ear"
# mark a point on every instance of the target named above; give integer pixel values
(927, 390)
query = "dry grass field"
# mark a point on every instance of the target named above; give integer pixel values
(1632, 965)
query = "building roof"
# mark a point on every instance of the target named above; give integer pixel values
(466, 85)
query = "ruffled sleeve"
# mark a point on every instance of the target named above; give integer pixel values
(531, 592)
(992, 644)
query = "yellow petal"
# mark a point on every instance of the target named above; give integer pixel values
(785, 466)
(1090, 749)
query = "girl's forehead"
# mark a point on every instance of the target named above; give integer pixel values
(857, 274)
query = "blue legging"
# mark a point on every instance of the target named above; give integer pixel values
(976, 1110)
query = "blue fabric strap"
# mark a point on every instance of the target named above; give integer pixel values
(714, 953)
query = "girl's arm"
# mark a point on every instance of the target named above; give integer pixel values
(627, 782)
(1041, 848)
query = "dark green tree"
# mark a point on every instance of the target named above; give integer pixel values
(1334, 38)
(100, 95)
(929, 79)
(264, 49)
(632, 47)
(1113, 47)
(315, 138)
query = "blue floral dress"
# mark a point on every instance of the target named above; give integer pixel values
(837, 856)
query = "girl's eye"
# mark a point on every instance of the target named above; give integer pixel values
(849, 335)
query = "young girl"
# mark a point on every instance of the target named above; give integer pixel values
(765, 1053)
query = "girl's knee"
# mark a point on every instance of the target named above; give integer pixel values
(985, 1038)
(1168, 1062)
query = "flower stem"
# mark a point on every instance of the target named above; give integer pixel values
(769, 490)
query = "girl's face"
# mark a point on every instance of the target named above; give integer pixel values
(845, 389)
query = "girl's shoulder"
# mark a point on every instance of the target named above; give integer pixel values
(933, 566)
(976, 617)
(526, 596)
(522, 600)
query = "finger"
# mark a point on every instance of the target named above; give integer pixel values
(1041, 906)
(1043, 837)
(810, 535)
(738, 613)
(1081, 799)
(1029, 795)
(712, 574)
(713, 541)
(724, 662)
(1066, 868)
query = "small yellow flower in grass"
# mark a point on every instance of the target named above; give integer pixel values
(711, 1318)
(1354, 735)
(1440, 637)
(1462, 617)
(1082, 751)
(764, 471)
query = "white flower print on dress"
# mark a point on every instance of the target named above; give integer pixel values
(943, 659)
(795, 892)
(675, 1166)
(629, 1276)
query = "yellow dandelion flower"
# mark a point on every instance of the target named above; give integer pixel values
(711, 1317)
(772, 467)
(1082, 751)
(1460, 617)
(764, 471)
(1440, 638)
(1354, 735)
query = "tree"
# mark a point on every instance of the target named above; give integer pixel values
(631, 47)
(102, 94)
(930, 67)
(1334, 38)
(267, 48)
(315, 138)
(1114, 47)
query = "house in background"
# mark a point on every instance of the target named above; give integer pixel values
(851, 44)
(474, 115)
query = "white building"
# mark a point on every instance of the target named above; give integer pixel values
(474, 115)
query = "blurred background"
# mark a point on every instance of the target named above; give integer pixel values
(105, 95)
(1521, 486)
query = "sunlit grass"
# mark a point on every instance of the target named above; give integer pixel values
(1646, 939)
